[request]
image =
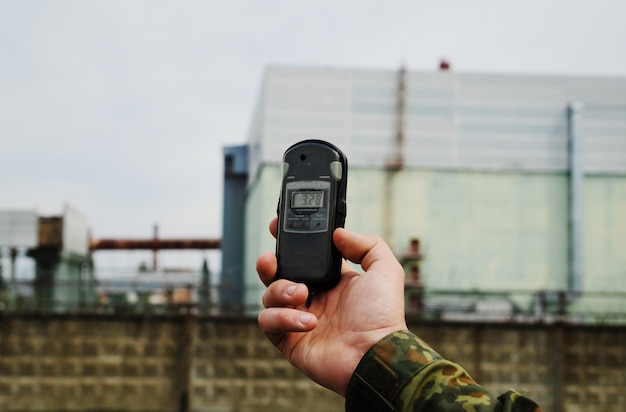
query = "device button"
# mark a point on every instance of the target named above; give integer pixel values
(336, 170)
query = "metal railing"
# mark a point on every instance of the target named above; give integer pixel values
(184, 296)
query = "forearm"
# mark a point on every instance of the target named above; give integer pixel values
(402, 373)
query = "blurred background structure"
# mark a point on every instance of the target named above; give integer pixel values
(503, 195)
(512, 187)
(61, 275)
(54, 255)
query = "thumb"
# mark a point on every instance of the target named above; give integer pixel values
(368, 251)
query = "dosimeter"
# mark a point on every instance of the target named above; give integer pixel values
(312, 204)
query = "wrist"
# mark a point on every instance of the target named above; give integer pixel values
(358, 349)
(385, 369)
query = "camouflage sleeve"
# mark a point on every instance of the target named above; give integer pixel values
(402, 373)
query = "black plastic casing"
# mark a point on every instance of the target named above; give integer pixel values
(311, 258)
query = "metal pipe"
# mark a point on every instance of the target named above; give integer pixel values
(576, 181)
(153, 244)
(396, 163)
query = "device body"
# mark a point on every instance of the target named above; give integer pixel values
(312, 204)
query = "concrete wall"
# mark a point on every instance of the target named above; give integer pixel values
(174, 364)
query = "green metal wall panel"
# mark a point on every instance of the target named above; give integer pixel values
(365, 196)
(479, 231)
(604, 241)
(484, 231)
(261, 203)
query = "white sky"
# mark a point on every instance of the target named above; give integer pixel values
(122, 108)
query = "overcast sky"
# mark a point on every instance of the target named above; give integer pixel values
(122, 108)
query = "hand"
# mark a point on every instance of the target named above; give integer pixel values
(327, 340)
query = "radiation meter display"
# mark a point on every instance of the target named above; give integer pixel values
(311, 206)
(307, 211)
(307, 199)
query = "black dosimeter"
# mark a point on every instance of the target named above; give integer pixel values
(311, 206)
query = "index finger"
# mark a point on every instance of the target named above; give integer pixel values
(274, 227)
(266, 266)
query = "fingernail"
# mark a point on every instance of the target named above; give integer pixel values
(291, 289)
(305, 319)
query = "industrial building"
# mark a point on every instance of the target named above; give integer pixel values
(59, 247)
(55, 257)
(511, 186)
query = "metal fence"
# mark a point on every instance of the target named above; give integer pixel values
(188, 295)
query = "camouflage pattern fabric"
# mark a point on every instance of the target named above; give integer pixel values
(402, 373)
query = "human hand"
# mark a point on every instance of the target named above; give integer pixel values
(327, 340)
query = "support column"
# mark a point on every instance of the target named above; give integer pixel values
(576, 183)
